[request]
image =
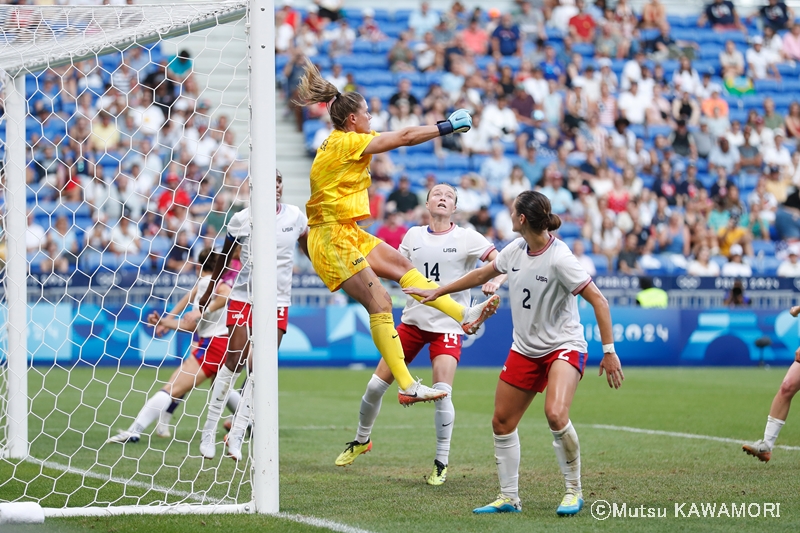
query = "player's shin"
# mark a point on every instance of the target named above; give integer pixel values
(445, 304)
(443, 417)
(568, 453)
(150, 412)
(386, 339)
(507, 456)
(370, 407)
(222, 384)
(241, 419)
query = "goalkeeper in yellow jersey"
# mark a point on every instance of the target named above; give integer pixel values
(347, 257)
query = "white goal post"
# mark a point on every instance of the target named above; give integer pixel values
(53, 37)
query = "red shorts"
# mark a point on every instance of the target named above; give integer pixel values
(239, 314)
(210, 353)
(283, 318)
(530, 373)
(413, 339)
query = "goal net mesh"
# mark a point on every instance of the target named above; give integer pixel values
(136, 136)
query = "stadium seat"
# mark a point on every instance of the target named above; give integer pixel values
(569, 229)
(600, 263)
(765, 247)
(766, 266)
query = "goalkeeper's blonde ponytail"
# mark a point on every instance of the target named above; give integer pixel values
(314, 89)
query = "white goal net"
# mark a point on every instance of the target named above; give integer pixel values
(125, 145)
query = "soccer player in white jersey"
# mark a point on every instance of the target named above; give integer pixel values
(779, 410)
(292, 228)
(548, 349)
(212, 345)
(444, 252)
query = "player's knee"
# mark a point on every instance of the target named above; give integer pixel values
(502, 425)
(789, 389)
(557, 416)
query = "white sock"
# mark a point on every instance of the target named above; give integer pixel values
(443, 417)
(150, 412)
(222, 385)
(370, 407)
(233, 400)
(506, 455)
(241, 417)
(568, 453)
(772, 430)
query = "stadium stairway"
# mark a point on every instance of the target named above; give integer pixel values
(293, 161)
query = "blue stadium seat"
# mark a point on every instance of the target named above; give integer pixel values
(600, 263)
(753, 101)
(416, 78)
(584, 49)
(767, 247)
(768, 86)
(569, 229)
(513, 61)
(401, 16)
(766, 266)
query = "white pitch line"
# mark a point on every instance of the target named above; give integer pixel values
(321, 522)
(680, 435)
(139, 484)
(309, 520)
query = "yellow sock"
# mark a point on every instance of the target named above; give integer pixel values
(445, 304)
(381, 325)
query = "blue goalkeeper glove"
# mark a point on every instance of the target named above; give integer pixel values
(459, 121)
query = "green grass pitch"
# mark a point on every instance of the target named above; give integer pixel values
(384, 490)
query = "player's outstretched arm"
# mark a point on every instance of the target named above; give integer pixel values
(187, 322)
(459, 121)
(493, 285)
(476, 278)
(610, 363)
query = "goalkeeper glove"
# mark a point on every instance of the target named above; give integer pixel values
(459, 121)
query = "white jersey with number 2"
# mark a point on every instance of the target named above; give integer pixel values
(443, 258)
(542, 287)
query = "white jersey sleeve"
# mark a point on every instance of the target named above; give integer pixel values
(571, 274)
(212, 324)
(505, 256)
(404, 247)
(291, 224)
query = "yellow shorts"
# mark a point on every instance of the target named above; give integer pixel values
(339, 251)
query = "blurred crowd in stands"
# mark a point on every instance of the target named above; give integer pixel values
(126, 165)
(666, 144)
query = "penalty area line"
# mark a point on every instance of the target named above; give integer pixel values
(680, 435)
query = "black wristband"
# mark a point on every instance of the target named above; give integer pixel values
(445, 127)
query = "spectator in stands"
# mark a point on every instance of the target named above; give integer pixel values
(660, 112)
(607, 43)
(674, 238)
(721, 15)
(682, 140)
(470, 195)
(105, 135)
(392, 231)
(654, 15)
(34, 235)
(330, 9)
(734, 234)
(403, 118)
(506, 39)
(64, 236)
(689, 189)
(582, 26)
(628, 260)
(686, 108)
(632, 71)
(530, 20)
(341, 38)
(474, 38)
(514, 184)
(579, 251)
(607, 240)
(496, 168)
(552, 68)
(772, 119)
(429, 54)
(337, 77)
(792, 121)
(483, 223)
(735, 267)
(53, 262)
(702, 266)
(776, 154)
(125, 237)
(791, 44)
(500, 120)
(101, 197)
(561, 14)
(750, 157)
(607, 76)
(403, 95)
(665, 185)
(633, 104)
(423, 20)
(731, 61)
(775, 15)
(686, 78)
(177, 260)
(760, 61)
(402, 199)
(718, 125)
(401, 57)
(552, 186)
(763, 207)
(369, 29)
(714, 103)
(790, 267)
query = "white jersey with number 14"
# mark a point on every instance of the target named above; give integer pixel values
(442, 258)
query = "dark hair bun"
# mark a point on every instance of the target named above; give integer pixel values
(553, 222)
